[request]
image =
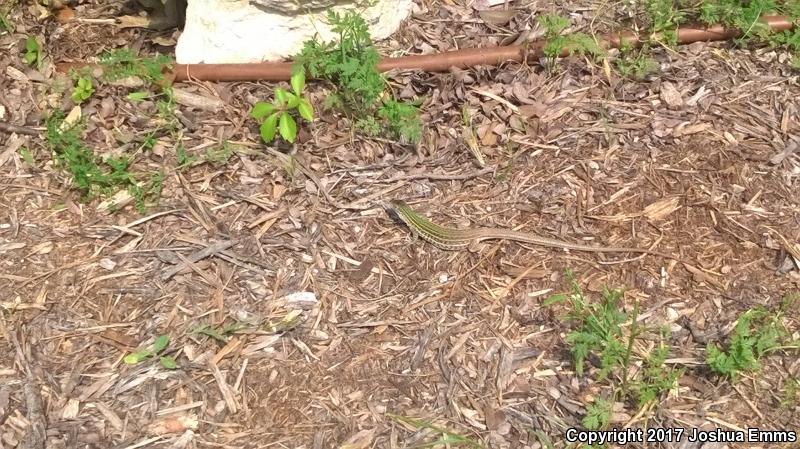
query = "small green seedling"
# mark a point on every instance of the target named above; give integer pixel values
(635, 64)
(137, 97)
(573, 43)
(5, 23)
(153, 350)
(219, 155)
(278, 114)
(185, 158)
(448, 438)
(83, 89)
(33, 52)
(598, 414)
(609, 332)
(757, 333)
(124, 63)
(26, 155)
(790, 393)
(655, 379)
(220, 333)
(91, 175)
(402, 119)
(599, 329)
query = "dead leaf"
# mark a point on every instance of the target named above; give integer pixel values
(532, 110)
(662, 208)
(670, 95)
(361, 440)
(684, 129)
(71, 119)
(172, 424)
(497, 17)
(776, 159)
(165, 41)
(133, 22)
(10, 246)
(198, 101)
(486, 4)
(471, 141)
(65, 15)
(42, 248)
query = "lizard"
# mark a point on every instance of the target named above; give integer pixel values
(456, 239)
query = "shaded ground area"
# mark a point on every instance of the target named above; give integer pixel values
(698, 160)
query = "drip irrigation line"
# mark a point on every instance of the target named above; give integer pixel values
(461, 59)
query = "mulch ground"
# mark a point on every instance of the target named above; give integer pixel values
(699, 160)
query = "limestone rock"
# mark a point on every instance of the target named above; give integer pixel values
(242, 31)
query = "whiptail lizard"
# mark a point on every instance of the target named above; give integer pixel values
(455, 239)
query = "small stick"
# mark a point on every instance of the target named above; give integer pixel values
(197, 256)
(9, 128)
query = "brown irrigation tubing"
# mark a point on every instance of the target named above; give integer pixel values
(440, 62)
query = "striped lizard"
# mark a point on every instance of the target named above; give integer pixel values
(455, 239)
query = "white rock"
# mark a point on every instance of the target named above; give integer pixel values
(236, 31)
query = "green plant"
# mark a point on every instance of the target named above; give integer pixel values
(145, 353)
(90, 175)
(5, 23)
(739, 14)
(791, 393)
(124, 63)
(664, 18)
(33, 52)
(348, 64)
(790, 40)
(599, 329)
(219, 155)
(635, 64)
(184, 158)
(448, 438)
(150, 192)
(83, 89)
(165, 109)
(402, 119)
(137, 97)
(598, 414)
(360, 89)
(610, 333)
(278, 114)
(219, 333)
(655, 379)
(26, 155)
(757, 332)
(573, 43)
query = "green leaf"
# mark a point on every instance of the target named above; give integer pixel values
(306, 110)
(30, 58)
(169, 362)
(298, 81)
(261, 110)
(267, 129)
(281, 96)
(294, 100)
(137, 96)
(32, 45)
(555, 299)
(26, 155)
(288, 127)
(135, 357)
(161, 343)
